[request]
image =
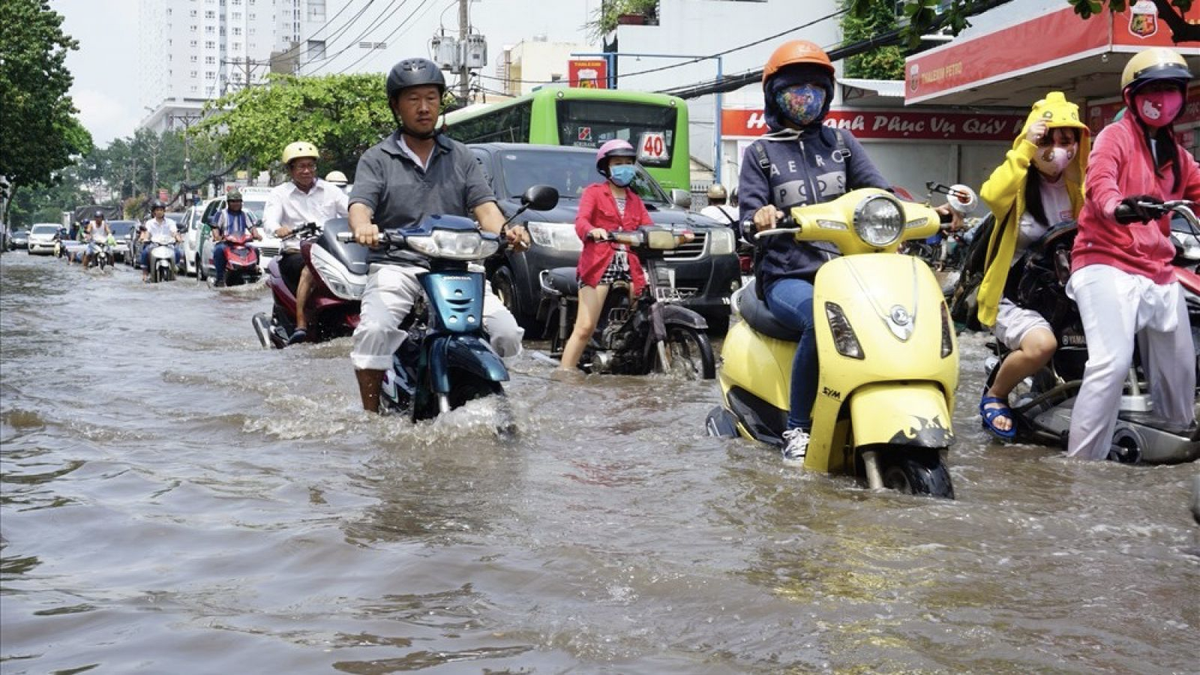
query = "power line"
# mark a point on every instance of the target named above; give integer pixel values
(379, 19)
(286, 52)
(389, 35)
(697, 59)
(734, 82)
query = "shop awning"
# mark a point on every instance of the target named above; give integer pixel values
(1017, 64)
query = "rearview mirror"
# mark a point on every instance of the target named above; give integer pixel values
(540, 198)
(681, 198)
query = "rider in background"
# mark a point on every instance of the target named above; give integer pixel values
(414, 173)
(98, 233)
(304, 199)
(1121, 273)
(607, 206)
(163, 228)
(1039, 185)
(799, 162)
(718, 209)
(338, 179)
(232, 220)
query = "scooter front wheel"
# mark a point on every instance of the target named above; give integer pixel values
(689, 354)
(915, 471)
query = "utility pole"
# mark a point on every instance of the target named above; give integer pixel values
(187, 121)
(464, 28)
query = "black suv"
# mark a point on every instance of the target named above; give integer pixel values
(706, 270)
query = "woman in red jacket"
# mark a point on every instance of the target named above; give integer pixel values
(1121, 274)
(608, 206)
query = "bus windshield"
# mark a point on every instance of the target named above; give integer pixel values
(567, 172)
(589, 123)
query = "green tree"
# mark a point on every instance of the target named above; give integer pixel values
(924, 14)
(607, 16)
(342, 115)
(41, 133)
(883, 63)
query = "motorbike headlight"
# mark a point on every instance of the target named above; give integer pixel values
(947, 333)
(721, 241)
(844, 338)
(879, 220)
(557, 236)
(341, 281)
(454, 245)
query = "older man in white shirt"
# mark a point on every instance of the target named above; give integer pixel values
(302, 200)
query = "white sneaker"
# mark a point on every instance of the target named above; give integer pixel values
(795, 445)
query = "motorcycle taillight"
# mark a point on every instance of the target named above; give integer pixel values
(746, 263)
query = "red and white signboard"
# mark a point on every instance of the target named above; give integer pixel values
(588, 73)
(891, 125)
(652, 146)
(1042, 42)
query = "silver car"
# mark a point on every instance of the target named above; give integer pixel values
(42, 238)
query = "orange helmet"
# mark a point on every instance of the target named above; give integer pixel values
(795, 52)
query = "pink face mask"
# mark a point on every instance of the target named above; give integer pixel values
(1158, 108)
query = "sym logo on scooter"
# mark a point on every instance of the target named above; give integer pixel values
(831, 393)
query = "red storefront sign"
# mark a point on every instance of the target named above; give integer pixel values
(1040, 43)
(892, 125)
(588, 73)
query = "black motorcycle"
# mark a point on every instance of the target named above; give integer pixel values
(635, 336)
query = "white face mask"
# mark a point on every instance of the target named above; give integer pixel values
(1053, 161)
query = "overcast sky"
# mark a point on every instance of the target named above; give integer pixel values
(105, 66)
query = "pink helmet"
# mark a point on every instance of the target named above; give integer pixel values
(614, 148)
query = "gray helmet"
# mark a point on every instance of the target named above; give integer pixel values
(157, 205)
(414, 73)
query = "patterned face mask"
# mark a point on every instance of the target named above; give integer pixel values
(801, 104)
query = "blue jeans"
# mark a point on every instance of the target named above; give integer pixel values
(791, 301)
(218, 262)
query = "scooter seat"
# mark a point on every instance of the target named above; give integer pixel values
(755, 313)
(564, 280)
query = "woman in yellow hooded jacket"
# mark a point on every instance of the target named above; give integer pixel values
(1039, 185)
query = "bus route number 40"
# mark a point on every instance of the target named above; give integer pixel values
(653, 146)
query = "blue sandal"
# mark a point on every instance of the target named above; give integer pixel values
(299, 336)
(989, 416)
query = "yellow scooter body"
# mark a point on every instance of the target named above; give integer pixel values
(901, 391)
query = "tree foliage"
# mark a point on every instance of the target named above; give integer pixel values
(924, 15)
(40, 130)
(883, 63)
(607, 16)
(342, 115)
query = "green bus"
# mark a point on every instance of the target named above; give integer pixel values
(655, 124)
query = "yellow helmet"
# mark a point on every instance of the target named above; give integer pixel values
(299, 149)
(1155, 63)
(336, 177)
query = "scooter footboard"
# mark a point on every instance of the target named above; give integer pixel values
(901, 413)
(465, 352)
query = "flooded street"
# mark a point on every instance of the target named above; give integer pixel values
(177, 500)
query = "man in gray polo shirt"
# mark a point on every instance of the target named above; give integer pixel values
(407, 176)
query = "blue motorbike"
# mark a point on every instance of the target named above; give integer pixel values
(446, 360)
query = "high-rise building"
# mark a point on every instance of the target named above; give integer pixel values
(193, 51)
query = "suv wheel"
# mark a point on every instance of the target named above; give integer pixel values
(505, 289)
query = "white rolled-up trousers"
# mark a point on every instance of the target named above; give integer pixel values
(1115, 307)
(389, 296)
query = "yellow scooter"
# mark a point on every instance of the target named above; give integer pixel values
(885, 344)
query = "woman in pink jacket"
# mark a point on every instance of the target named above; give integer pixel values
(1121, 275)
(607, 206)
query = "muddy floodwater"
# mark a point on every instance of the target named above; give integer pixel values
(175, 499)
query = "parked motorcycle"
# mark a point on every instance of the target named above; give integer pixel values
(1042, 404)
(162, 259)
(887, 351)
(446, 360)
(339, 272)
(241, 260)
(635, 336)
